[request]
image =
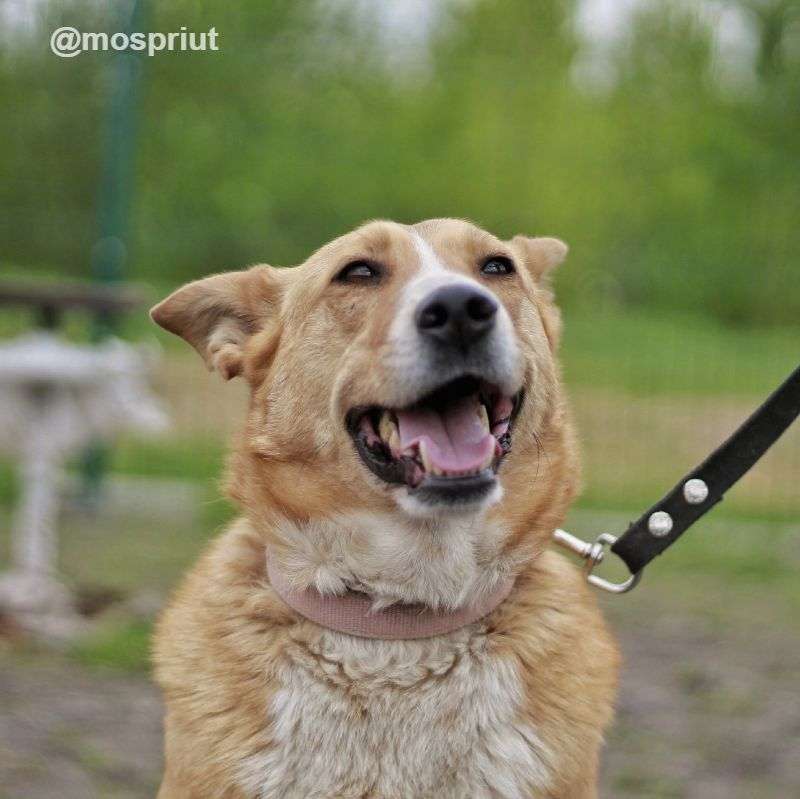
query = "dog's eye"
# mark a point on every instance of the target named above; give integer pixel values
(497, 265)
(358, 272)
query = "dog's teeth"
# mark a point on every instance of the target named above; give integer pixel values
(423, 456)
(483, 416)
(387, 428)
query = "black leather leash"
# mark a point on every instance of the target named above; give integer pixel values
(695, 494)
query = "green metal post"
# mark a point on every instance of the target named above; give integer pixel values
(109, 257)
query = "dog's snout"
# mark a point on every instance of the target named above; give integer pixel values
(458, 314)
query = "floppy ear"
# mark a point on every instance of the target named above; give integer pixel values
(541, 253)
(218, 314)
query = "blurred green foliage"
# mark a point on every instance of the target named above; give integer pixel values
(674, 191)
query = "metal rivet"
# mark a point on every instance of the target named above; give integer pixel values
(695, 491)
(659, 523)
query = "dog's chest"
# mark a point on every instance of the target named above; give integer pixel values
(397, 720)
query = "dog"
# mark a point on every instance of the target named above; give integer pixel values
(386, 619)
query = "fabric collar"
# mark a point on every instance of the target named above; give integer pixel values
(352, 613)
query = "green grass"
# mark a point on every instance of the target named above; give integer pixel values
(720, 566)
(648, 353)
(124, 648)
(196, 458)
(8, 483)
(641, 491)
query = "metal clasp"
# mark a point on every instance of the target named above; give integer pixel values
(593, 554)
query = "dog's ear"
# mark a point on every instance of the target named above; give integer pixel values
(540, 253)
(218, 314)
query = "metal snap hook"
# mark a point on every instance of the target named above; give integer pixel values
(593, 554)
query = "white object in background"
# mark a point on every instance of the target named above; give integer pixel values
(55, 399)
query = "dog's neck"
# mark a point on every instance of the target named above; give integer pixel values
(444, 563)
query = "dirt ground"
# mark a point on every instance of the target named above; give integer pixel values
(705, 711)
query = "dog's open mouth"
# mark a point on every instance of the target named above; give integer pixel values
(450, 442)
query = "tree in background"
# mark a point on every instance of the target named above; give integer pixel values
(674, 190)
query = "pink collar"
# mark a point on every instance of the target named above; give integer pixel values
(352, 613)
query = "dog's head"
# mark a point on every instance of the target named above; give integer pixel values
(404, 369)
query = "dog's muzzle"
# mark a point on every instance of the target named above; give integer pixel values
(447, 435)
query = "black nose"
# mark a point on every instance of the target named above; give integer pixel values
(459, 314)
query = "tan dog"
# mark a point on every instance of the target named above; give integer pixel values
(407, 441)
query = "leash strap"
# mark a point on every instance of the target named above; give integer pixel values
(700, 490)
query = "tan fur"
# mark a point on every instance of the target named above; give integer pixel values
(261, 703)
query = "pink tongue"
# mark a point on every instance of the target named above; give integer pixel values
(455, 440)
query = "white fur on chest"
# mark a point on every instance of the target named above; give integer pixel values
(356, 719)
